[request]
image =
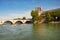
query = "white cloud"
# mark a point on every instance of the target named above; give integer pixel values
(16, 15)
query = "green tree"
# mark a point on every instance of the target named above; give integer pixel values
(24, 18)
(53, 15)
(48, 16)
(34, 15)
(40, 17)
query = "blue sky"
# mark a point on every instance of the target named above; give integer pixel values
(21, 8)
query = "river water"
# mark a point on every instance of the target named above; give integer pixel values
(30, 32)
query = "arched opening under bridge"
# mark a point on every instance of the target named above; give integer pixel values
(8, 22)
(28, 22)
(18, 22)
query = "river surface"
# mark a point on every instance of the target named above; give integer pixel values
(30, 32)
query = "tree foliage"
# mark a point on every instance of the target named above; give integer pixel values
(53, 15)
(34, 15)
(49, 15)
(24, 18)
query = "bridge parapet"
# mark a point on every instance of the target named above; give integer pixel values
(13, 21)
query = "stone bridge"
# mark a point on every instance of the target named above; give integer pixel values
(15, 21)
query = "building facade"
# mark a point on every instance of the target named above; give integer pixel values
(39, 10)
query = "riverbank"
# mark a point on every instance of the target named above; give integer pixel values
(46, 22)
(55, 22)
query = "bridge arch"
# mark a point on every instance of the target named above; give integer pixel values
(28, 22)
(10, 22)
(18, 22)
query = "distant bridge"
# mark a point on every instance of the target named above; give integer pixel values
(15, 21)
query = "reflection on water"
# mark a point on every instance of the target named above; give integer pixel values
(30, 32)
(47, 31)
